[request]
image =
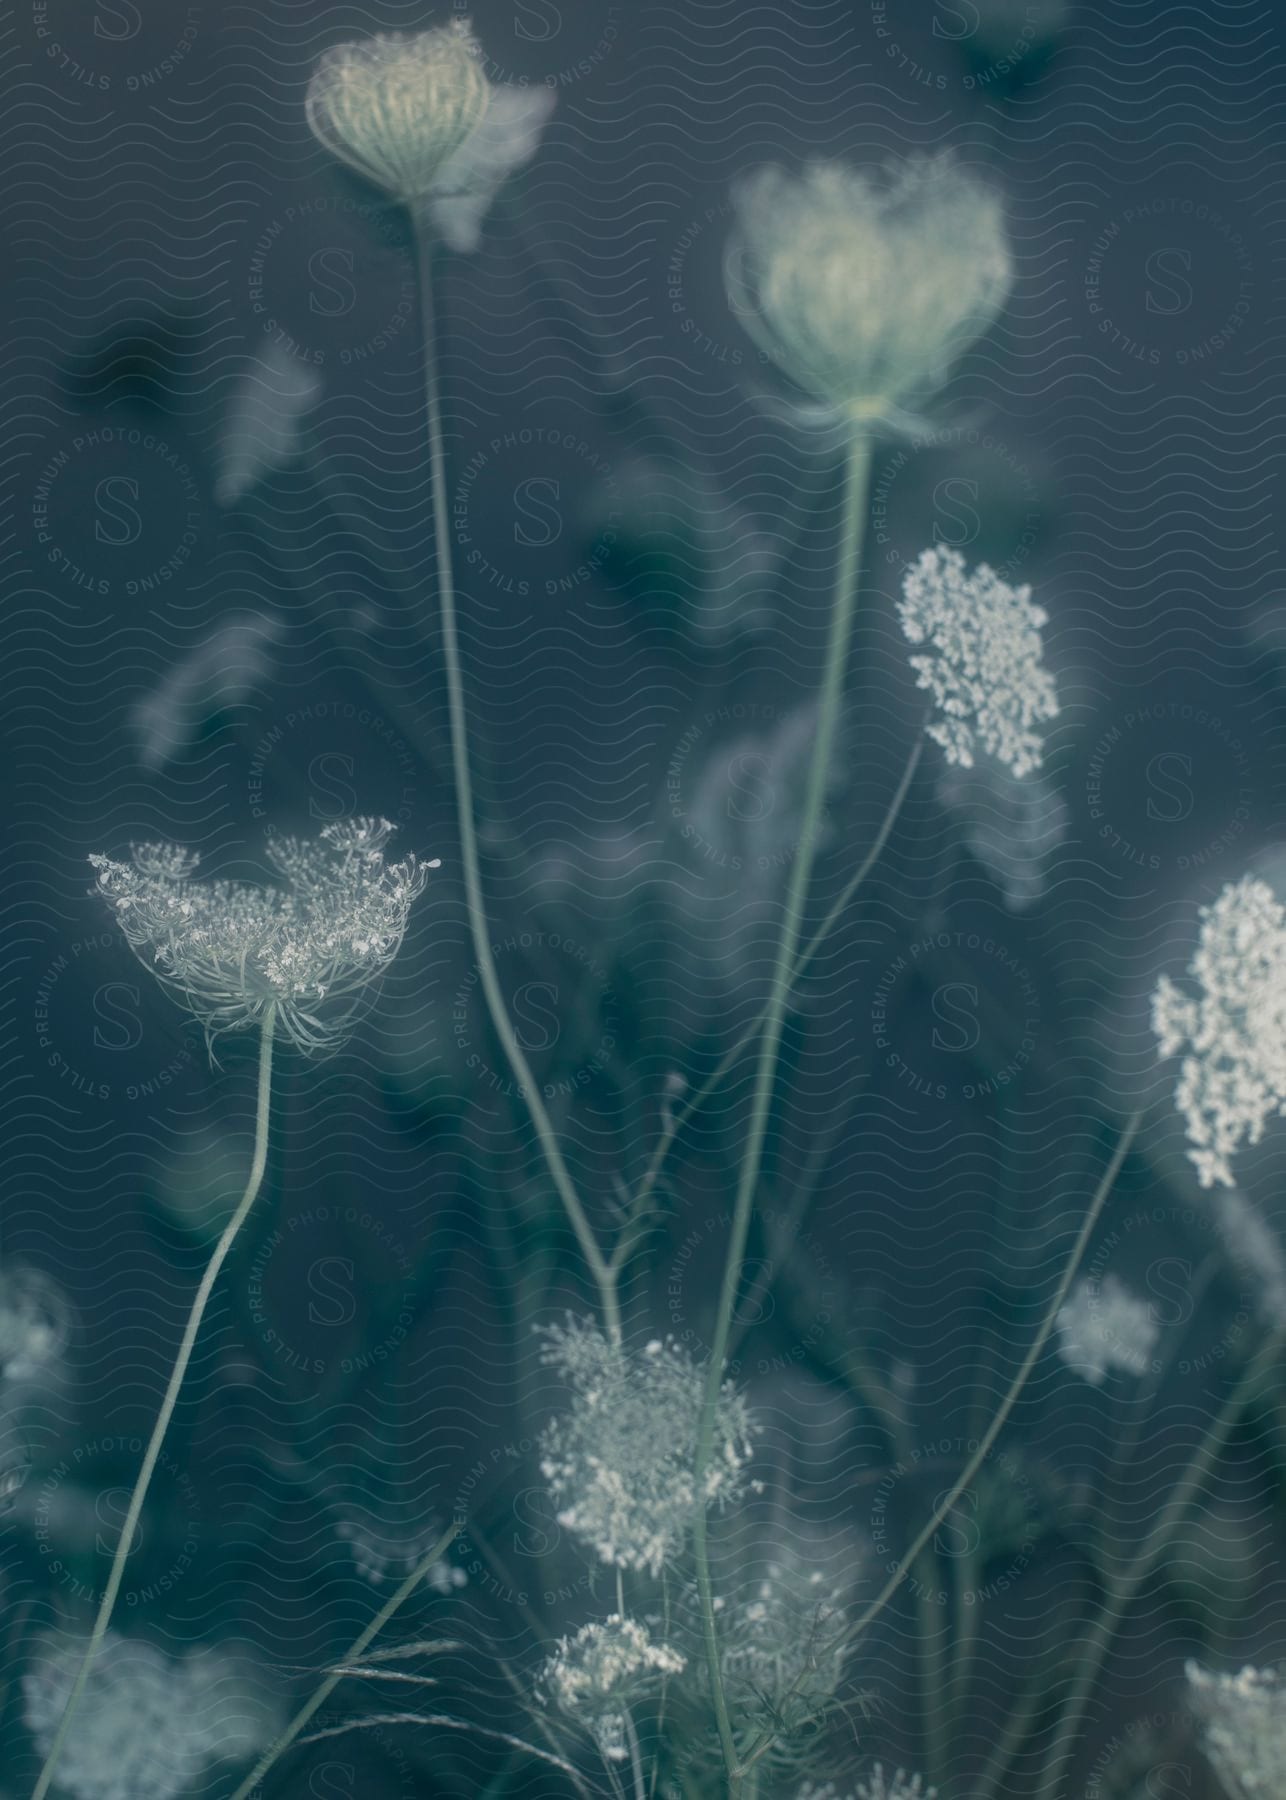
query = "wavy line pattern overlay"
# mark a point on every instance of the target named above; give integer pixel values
(222, 624)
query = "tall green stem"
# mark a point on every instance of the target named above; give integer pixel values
(152, 1456)
(604, 1275)
(842, 613)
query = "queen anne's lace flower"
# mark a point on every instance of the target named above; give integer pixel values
(1233, 1077)
(416, 115)
(983, 663)
(602, 1670)
(874, 1786)
(229, 949)
(863, 293)
(621, 1461)
(397, 108)
(1103, 1327)
(148, 1727)
(1243, 1734)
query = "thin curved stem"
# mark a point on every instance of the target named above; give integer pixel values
(814, 944)
(355, 1653)
(116, 1576)
(842, 613)
(965, 1479)
(1126, 1584)
(602, 1271)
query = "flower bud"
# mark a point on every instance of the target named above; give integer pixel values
(396, 108)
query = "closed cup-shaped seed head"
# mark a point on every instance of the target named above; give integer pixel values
(396, 108)
(862, 291)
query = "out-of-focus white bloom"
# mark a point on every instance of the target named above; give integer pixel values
(621, 1461)
(1243, 1728)
(983, 665)
(506, 139)
(230, 949)
(397, 108)
(381, 1553)
(148, 1726)
(416, 115)
(1104, 1327)
(598, 1673)
(1233, 1077)
(1011, 823)
(261, 426)
(874, 1786)
(862, 292)
(221, 672)
(35, 1323)
(1255, 1250)
(781, 1646)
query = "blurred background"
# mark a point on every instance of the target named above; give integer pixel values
(219, 621)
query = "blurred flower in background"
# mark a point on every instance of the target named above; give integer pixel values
(1104, 1327)
(864, 292)
(1011, 824)
(233, 663)
(1243, 1728)
(262, 423)
(149, 1726)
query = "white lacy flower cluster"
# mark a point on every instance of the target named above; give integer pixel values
(983, 663)
(231, 949)
(1103, 1327)
(781, 1638)
(416, 115)
(864, 291)
(1233, 1077)
(1243, 1720)
(621, 1461)
(148, 1726)
(598, 1673)
(875, 1786)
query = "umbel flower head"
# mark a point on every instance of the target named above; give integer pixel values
(862, 291)
(621, 1461)
(1233, 1078)
(983, 659)
(396, 108)
(229, 949)
(416, 115)
(596, 1675)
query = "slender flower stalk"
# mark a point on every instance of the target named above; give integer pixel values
(967, 1475)
(152, 1455)
(605, 1276)
(845, 604)
(410, 113)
